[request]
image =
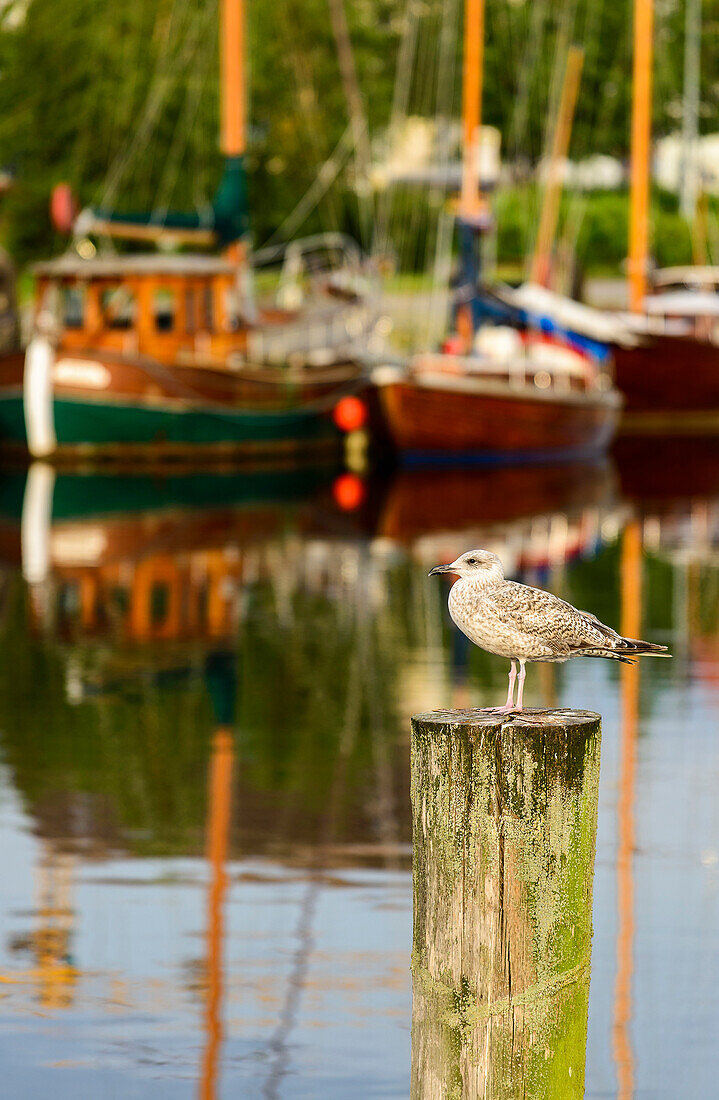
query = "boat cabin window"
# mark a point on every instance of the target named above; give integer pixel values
(68, 599)
(190, 310)
(118, 307)
(118, 603)
(231, 308)
(159, 603)
(164, 310)
(73, 306)
(207, 310)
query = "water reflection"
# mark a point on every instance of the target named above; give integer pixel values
(631, 626)
(205, 745)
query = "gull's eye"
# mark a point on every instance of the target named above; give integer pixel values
(471, 561)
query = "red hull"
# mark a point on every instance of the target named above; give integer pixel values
(428, 502)
(491, 420)
(669, 375)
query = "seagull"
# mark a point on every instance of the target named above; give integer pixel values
(527, 624)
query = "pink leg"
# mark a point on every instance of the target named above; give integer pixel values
(520, 689)
(509, 705)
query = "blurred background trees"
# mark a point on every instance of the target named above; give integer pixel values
(120, 100)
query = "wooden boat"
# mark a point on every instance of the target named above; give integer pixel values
(149, 360)
(666, 350)
(165, 355)
(670, 379)
(473, 409)
(12, 357)
(421, 503)
(496, 392)
(666, 358)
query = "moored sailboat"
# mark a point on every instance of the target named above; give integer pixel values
(167, 354)
(495, 392)
(666, 349)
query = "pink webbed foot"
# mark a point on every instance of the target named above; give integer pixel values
(500, 710)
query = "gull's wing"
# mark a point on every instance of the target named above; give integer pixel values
(563, 629)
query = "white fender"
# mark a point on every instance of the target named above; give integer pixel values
(36, 522)
(38, 397)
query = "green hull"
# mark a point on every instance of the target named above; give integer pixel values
(89, 425)
(83, 496)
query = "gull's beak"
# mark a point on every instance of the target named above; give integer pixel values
(440, 569)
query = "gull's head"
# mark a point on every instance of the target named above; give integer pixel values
(476, 565)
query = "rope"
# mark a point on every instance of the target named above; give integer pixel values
(314, 194)
(400, 100)
(442, 264)
(160, 86)
(185, 122)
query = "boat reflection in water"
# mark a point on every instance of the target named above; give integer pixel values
(215, 774)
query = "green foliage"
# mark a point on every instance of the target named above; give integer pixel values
(88, 116)
(95, 93)
(604, 233)
(603, 236)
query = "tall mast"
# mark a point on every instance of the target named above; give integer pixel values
(228, 221)
(472, 105)
(641, 139)
(232, 78)
(560, 147)
(692, 59)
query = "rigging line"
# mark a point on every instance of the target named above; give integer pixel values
(400, 99)
(446, 58)
(185, 123)
(85, 135)
(324, 179)
(357, 114)
(578, 202)
(502, 88)
(160, 84)
(208, 126)
(403, 229)
(278, 1044)
(125, 68)
(311, 120)
(407, 229)
(562, 43)
(429, 88)
(528, 70)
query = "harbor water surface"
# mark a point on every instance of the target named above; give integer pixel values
(206, 688)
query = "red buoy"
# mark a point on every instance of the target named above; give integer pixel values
(350, 414)
(348, 492)
(63, 208)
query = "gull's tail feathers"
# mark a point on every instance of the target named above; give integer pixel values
(645, 649)
(627, 650)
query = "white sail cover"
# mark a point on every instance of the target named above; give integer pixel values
(597, 324)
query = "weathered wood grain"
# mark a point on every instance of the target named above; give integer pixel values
(504, 829)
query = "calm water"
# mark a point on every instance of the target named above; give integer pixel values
(204, 768)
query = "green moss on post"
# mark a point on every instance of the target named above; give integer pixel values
(504, 829)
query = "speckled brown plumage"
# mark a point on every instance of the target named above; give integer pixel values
(528, 624)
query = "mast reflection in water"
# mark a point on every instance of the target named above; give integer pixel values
(204, 720)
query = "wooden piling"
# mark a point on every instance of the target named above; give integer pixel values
(504, 815)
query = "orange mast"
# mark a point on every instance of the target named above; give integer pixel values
(232, 82)
(232, 93)
(470, 201)
(641, 139)
(219, 812)
(560, 148)
(631, 623)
